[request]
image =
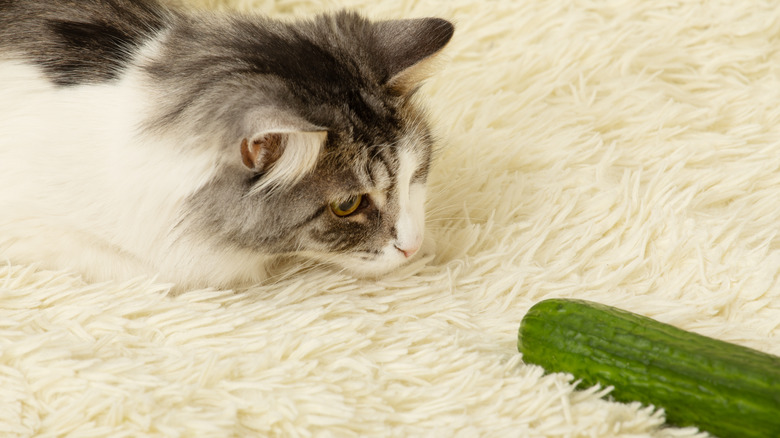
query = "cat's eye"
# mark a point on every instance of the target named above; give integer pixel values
(346, 207)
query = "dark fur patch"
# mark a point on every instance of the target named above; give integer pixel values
(90, 41)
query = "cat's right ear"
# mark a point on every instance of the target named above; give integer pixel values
(409, 48)
(283, 157)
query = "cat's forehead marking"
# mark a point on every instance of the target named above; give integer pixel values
(380, 169)
(408, 163)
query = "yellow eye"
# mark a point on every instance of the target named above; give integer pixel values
(347, 207)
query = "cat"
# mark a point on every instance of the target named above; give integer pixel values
(137, 139)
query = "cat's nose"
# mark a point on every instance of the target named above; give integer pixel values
(408, 252)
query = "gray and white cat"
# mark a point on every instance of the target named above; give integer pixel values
(138, 139)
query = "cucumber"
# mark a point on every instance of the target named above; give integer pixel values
(726, 389)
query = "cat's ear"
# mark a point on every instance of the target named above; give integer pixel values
(283, 157)
(408, 49)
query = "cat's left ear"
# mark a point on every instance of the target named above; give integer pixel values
(283, 157)
(409, 48)
(279, 146)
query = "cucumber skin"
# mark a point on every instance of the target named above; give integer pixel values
(725, 389)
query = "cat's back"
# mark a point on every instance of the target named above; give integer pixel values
(63, 68)
(69, 110)
(86, 41)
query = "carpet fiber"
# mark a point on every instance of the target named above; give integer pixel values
(620, 151)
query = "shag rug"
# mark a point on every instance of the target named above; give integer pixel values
(626, 152)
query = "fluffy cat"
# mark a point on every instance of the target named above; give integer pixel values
(136, 139)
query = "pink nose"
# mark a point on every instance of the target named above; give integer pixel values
(408, 252)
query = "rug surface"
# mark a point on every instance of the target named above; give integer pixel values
(620, 151)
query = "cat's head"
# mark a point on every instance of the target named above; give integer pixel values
(324, 152)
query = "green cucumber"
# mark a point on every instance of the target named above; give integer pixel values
(725, 389)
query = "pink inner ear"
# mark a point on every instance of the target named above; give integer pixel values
(248, 156)
(262, 152)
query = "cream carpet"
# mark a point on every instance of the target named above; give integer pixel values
(626, 152)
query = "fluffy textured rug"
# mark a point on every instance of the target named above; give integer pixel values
(620, 151)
